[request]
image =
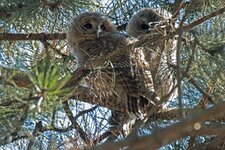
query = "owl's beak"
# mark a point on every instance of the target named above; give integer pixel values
(99, 31)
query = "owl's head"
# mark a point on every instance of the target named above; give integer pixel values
(90, 25)
(144, 20)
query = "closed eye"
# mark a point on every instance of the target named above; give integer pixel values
(144, 26)
(88, 25)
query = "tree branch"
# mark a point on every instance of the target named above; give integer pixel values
(194, 82)
(38, 127)
(215, 143)
(203, 19)
(189, 126)
(62, 36)
(82, 133)
(32, 36)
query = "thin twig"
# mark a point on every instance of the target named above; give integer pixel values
(82, 133)
(85, 111)
(179, 90)
(195, 83)
(34, 134)
(203, 19)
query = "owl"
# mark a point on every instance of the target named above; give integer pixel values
(123, 83)
(153, 27)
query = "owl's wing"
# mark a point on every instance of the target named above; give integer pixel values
(133, 81)
(133, 73)
(160, 52)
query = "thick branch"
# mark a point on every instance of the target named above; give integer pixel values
(186, 127)
(172, 114)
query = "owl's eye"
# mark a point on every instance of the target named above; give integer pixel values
(88, 25)
(102, 27)
(144, 26)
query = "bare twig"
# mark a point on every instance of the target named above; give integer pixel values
(178, 5)
(179, 41)
(194, 44)
(82, 133)
(34, 134)
(195, 83)
(191, 142)
(85, 111)
(106, 135)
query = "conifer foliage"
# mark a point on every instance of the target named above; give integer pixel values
(42, 102)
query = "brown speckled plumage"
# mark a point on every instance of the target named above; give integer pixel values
(154, 26)
(120, 83)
